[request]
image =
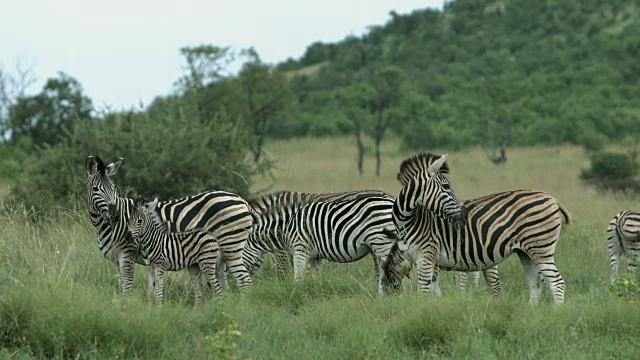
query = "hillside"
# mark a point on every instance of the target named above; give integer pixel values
(539, 72)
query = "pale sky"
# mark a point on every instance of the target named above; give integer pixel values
(124, 52)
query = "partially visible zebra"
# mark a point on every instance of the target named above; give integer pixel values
(340, 231)
(623, 238)
(218, 212)
(109, 214)
(194, 249)
(273, 211)
(525, 222)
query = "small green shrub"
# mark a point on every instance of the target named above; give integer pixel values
(612, 171)
(626, 286)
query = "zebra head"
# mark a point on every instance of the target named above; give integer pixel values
(102, 192)
(396, 267)
(425, 184)
(144, 218)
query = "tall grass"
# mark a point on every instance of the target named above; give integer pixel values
(59, 298)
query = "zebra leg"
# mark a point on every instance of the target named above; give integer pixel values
(283, 261)
(126, 265)
(209, 269)
(196, 275)
(534, 279)
(378, 272)
(492, 279)
(159, 275)
(151, 281)
(463, 279)
(300, 259)
(476, 278)
(234, 264)
(436, 281)
(221, 272)
(316, 268)
(425, 273)
(615, 249)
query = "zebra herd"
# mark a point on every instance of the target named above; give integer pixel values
(425, 227)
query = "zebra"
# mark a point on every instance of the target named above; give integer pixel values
(212, 211)
(340, 231)
(108, 214)
(194, 249)
(272, 211)
(525, 222)
(623, 238)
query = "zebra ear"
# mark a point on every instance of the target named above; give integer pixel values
(140, 202)
(91, 165)
(151, 206)
(113, 167)
(434, 168)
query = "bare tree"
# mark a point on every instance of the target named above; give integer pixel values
(490, 143)
(12, 88)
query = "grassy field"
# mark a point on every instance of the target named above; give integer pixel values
(59, 298)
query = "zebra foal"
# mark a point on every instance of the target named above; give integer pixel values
(195, 249)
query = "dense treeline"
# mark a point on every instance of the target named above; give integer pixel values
(545, 72)
(495, 73)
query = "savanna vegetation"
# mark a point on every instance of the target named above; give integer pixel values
(61, 297)
(521, 94)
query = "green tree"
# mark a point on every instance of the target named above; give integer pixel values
(355, 100)
(43, 117)
(266, 95)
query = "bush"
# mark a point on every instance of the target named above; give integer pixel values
(612, 171)
(168, 155)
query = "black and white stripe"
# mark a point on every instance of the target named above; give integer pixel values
(218, 212)
(623, 238)
(273, 211)
(194, 249)
(342, 227)
(525, 222)
(109, 214)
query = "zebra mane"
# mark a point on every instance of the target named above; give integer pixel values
(416, 164)
(276, 200)
(157, 219)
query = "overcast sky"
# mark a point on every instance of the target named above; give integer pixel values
(124, 52)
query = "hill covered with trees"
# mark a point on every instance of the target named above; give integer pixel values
(527, 72)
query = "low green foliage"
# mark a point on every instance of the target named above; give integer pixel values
(60, 297)
(627, 286)
(612, 171)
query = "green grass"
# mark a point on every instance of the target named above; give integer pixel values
(59, 298)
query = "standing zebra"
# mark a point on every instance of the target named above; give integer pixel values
(340, 231)
(623, 238)
(111, 230)
(273, 211)
(216, 212)
(524, 222)
(194, 249)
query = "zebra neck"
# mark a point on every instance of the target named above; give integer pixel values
(115, 229)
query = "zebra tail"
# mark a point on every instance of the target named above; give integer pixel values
(564, 211)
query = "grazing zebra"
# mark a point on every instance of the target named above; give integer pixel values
(194, 249)
(218, 212)
(623, 238)
(524, 222)
(340, 231)
(273, 211)
(111, 231)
